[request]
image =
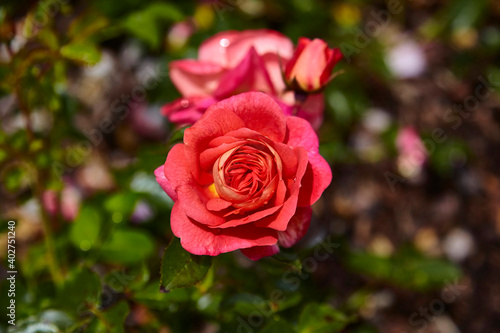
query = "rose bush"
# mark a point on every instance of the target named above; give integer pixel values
(233, 62)
(244, 178)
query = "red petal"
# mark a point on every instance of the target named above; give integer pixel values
(258, 252)
(201, 240)
(302, 43)
(280, 222)
(216, 121)
(193, 199)
(297, 227)
(176, 170)
(333, 56)
(318, 175)
(217, 204)
(250, 218)
(258, 111)
(209, 156)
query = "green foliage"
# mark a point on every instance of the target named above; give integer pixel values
(111, 320)
(407, 269)
(321, 318)
(81, 291)
(81, 51)
(180, 268)
(278, 326)
(85, 230)
(147, 23)
(127, 246)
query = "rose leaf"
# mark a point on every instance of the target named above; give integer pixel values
(180, 268)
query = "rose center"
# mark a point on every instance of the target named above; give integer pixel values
(246, 175)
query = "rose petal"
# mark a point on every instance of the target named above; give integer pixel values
(274, 66)
(215, 48)
(319, 174)
(288, 159)
(201, 240)
(297, 227)
(258, 252)
(280, 193)
(264, 41)
(312, 110)
(227, 48)
(280, 222)
(192, 196)
(258, 111)
(250, 74)
(195, 78)
(217, 204)
(164, 183)
(187, 110)
(193, 199)
(249, 218)
(215, 123)
(301, 45)
(209, 156)
(176, 169)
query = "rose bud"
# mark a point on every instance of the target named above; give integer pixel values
(311, 66)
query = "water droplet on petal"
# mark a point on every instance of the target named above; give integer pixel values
(184, 103)
(294, 180)
(224, 42)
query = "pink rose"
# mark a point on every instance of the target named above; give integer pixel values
(311, 65)
(233, 62)
(244, 178)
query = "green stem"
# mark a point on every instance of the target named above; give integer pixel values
(54, 267)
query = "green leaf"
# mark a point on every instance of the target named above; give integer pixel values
(321, 318)
(113, 319)
(86, 25)
(146, 24)
(122, 203)
(81, 289)
(85, 230)
(180, 268)
(127, 246)
(48, 38)
(177, 136)
(84, 52)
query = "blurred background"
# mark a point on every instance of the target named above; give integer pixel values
(406, 239)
